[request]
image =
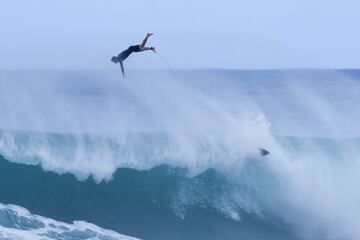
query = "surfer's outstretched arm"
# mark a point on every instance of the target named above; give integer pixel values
(142, 45)
(122, 69)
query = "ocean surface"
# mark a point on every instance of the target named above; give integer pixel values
(175, 154)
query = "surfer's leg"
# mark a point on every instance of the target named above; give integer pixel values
(142, 45)
(145, 49)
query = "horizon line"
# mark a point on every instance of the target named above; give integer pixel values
(183, 69)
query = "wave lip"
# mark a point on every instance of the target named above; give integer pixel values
(18, 223)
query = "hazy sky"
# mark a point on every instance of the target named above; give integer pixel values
(84, 34)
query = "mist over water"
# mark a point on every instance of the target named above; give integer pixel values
(91, 124)
(98, 105)
(74, 101)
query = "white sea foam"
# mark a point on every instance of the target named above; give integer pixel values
(18, 223)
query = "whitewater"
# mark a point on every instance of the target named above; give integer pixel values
(158, 156)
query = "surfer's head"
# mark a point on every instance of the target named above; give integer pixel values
(115, 59)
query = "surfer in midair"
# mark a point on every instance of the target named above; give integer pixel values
(135, 48)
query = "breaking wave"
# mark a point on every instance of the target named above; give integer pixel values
(155, 158)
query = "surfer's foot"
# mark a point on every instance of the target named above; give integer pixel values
(149, 34)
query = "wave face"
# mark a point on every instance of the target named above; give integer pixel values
(163, 158)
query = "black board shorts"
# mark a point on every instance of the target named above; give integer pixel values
(135, 48)
(124, 54)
